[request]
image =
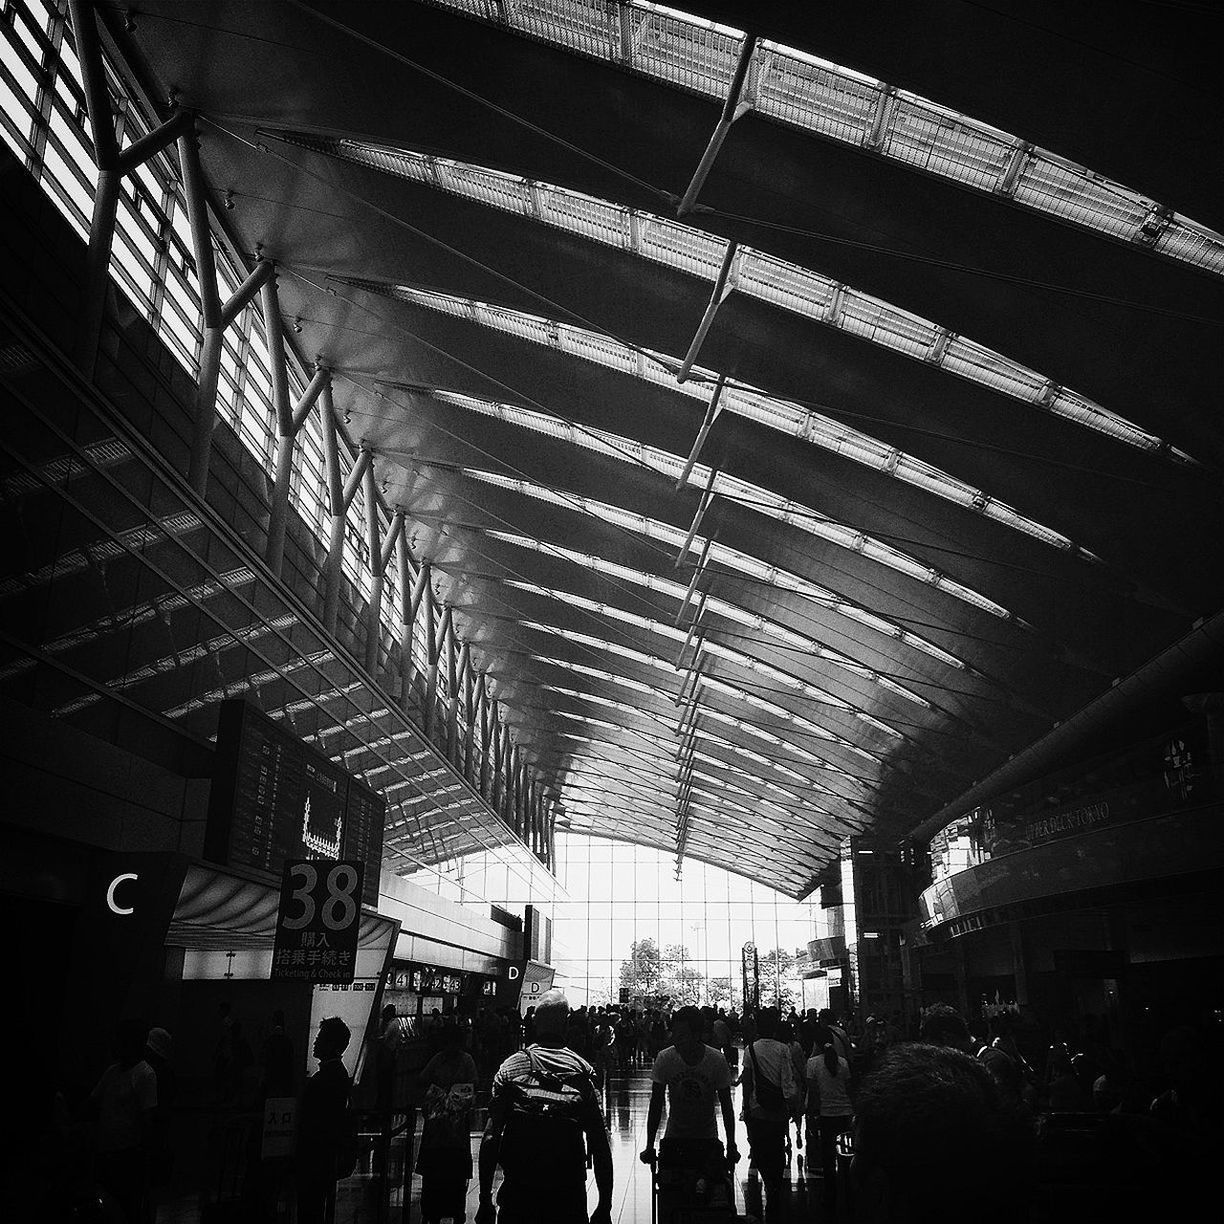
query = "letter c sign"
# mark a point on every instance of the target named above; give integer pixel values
(112, 888)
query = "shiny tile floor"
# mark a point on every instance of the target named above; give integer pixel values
(626, 1100)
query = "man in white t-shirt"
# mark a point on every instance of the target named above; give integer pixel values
(692, 1077)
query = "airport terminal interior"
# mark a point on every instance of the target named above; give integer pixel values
(716, 505)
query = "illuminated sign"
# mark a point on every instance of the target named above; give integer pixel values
(112, 889)
(275, 799)
(318, 921)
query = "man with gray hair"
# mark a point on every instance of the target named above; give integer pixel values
(542, 1106)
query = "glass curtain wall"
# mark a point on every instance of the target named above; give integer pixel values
(627, 929)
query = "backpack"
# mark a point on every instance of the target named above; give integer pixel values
(546, 1116)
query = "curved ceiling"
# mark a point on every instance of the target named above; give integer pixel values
(953, 425)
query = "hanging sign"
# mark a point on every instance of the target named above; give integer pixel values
(318, 921)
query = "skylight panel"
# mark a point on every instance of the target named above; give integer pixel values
(935, 140)
(990, 369)
(802, 91)
(580, 25)
(872, 319)
(581, 214)
(785, 284)
(681, 246)
(718, 607)
(808, 93)
(1193, 243)
(685, 51)
(491, 187)
(594, 347)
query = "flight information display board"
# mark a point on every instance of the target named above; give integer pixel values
(275, 799)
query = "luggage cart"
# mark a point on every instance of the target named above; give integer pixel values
(700, 1195)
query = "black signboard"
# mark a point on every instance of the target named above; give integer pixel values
(275, 799)
(318, 921)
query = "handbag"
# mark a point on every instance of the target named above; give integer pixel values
(769, 1095)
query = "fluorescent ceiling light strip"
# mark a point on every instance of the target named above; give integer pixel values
(721, 686)
(766, 627)
(714, 648)
(755, 405)
(760, 499)
(735, 560)
(813, 95)
(758, 274)
(583, 769)
(787, 810)
(672, 633)
(700, 733)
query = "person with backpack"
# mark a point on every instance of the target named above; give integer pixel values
(326, 1143)
(544, 1116)
(772, 1096)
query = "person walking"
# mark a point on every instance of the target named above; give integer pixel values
(830, 1107)
(445, 1159)
(693, 1079)
(542, 1106)
(771, 1098)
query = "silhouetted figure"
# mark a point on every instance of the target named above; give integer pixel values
(542, 1106)
(771, 1098)
(925, 1108)
(126, 1099)
(159, 1050)
(830, 1106)
(276, 1059)
(445, 1160)
(693, 1079)
(323, 1124)
(944, 1026)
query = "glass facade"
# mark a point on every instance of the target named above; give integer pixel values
(688, 933)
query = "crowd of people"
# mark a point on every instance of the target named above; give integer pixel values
(975, 1101)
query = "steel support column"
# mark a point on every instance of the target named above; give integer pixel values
(106, 198)
(341, 492)
(482, 694)
(452, 687)
(210, 310)
(469, 714)
(405, 599)
(733, 109)
(289, 419)
(428, 611)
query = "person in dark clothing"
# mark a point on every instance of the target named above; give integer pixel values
(944, 1026)
(276, 1059)
(322, 1123)
(544, 1119)
(926, 1107)
(159, 1048)
(125, 1101)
